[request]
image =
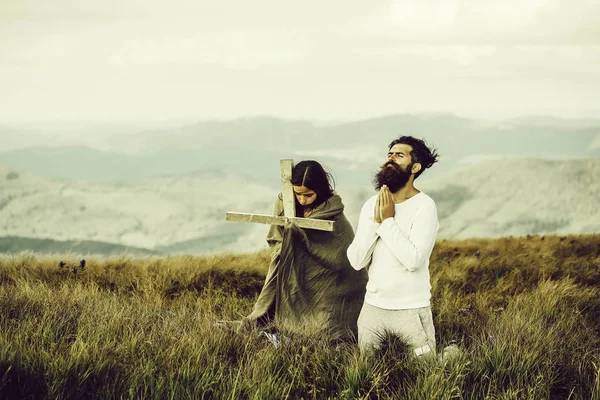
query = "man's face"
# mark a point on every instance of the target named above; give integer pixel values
(400, 155)
(397, 169)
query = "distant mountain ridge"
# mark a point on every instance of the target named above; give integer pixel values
(16, 244)
(351, 149)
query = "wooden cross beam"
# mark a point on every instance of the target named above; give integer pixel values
(289, 207)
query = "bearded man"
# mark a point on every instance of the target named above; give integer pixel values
(394, 239)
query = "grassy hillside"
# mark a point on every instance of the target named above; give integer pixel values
(524, 312)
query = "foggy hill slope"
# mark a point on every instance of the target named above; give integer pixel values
(148, 214)
(16, 244)
(501, 197)
(519, 196)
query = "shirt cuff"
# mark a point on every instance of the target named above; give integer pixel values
(372, 226)
(385, 225)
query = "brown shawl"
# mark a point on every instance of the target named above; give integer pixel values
(310, 285)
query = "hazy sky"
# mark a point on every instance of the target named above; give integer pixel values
(117, 60)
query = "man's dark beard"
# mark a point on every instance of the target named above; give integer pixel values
(393, 177)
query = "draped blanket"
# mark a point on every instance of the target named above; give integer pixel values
(310, 285)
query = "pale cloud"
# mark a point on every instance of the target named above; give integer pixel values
(420, 17)
(231, 49)
(134, 59)
(552, 22)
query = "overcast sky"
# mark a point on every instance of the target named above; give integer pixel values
(134, 60)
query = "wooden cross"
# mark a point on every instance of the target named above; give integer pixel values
(289, 207)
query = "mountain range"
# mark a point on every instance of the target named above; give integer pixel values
(353, 150)
(186, 214)
(167, 190)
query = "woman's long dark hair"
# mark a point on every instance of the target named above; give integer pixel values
(312, 175)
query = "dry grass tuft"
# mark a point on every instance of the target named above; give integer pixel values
(524, 312)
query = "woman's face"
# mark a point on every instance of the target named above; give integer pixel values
(304, 195)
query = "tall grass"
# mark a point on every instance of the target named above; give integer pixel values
(524, 311)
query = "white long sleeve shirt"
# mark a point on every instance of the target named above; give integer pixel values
(396, 253)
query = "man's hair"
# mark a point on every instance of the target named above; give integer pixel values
(420, 152)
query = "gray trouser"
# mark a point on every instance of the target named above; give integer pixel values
(414, 324)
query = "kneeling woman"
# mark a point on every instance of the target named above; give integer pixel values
(311, 286)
